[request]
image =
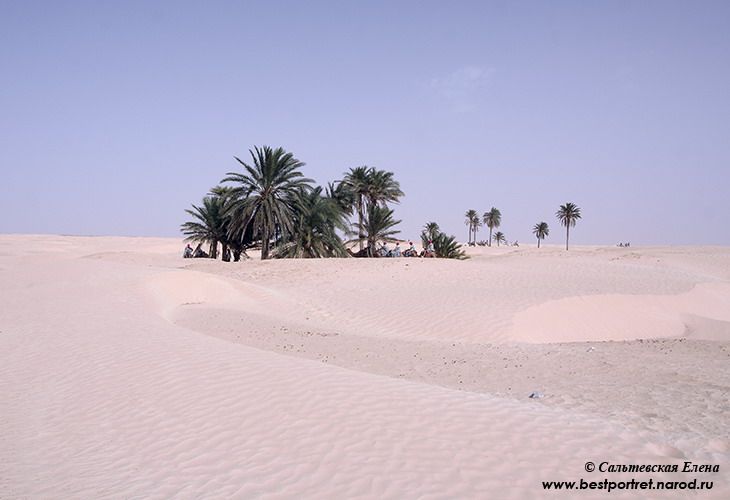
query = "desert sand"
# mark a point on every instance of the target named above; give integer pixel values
(129, 372)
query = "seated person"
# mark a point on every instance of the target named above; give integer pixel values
(411, 252)
(396, 250)
(429, 250)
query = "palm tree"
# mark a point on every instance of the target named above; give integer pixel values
(315, 229)
(568, 214)
(492, 219)
(236, 240)
(357, 181)
(370, 187)
(429, 233)
(477, 223)
(382, 188)
(471, 216)
(378, 226)
(210, 225)
(341, 195)
(431, 229)
(540, 230)
(268, 193)
(499, 237)
(446, 247)
(240, 240)
(223, 195)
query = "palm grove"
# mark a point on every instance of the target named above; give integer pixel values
(271, 205)
(567, 216)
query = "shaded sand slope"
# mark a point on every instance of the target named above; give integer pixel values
(104, 395)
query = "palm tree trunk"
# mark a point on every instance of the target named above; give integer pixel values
(360, 217)
(264, 242)
(214, 249)
(567, 235)
(490, 237)
(538, 242)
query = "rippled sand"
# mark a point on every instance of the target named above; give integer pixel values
(128, 372)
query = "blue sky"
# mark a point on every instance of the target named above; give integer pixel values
(116, 116)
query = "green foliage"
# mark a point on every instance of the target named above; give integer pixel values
(473, 221)
(492, 219)
(382, 188)
(213, 226)
(379, 225)
(342, 196)
(369, 187)
(210, 226)
(315, 226)
(446, 247)
(568, 215)
(267, 194)
(540, 230)
(270, 202)
(356, 182)
(431, 229)
(426, 239)
(499, 237)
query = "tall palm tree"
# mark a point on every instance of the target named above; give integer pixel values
(476, 224)
(471, 215)
(499, 237)
(267, 194)
(370, 187)
(357, 181)
(540, 230)
(568, 214)
(315, 229)
(227, 244)
(210, 225)
(492, 219)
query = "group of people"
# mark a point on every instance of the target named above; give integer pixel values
(386, 251)
(198, 253)
(383, 251)
(624, 244)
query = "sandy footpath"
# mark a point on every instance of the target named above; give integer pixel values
(128, 372)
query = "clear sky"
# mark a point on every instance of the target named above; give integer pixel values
(116, 116)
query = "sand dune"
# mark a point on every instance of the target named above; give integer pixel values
(128, 372)
(627, 317)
